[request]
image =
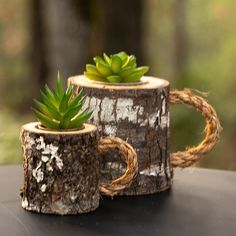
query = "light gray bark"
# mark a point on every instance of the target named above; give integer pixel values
(140, 115)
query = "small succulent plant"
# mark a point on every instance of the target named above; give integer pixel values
(118, 68)
(59, 109)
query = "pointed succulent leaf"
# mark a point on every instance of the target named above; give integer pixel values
(59, 90)
(48, 102)
(94, 77)
(46, 110)
(114, 78)
(126, 71)
(141, 70)
(92, 69)
(98, 59)
(76, 100)
(65, 99)
(80, 119)
(42, 108)
(116, 64)
(103, 68)
(50, 111)
(134, 77)
(69, 115)
(64, 124)
(45, 121)
(51, 95)
(106, 59)
(123, 56)
(132, 61)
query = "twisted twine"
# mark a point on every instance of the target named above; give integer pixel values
(212, 129)
(115, 186)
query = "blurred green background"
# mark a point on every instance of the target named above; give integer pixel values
(190, 43)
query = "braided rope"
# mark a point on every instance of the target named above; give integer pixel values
(115, 186)
(212, 129)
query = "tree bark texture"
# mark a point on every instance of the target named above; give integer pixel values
(139, 114)
(61, 170)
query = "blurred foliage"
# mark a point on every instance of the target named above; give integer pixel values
(209, 66)
(14, 38)
(10, 148)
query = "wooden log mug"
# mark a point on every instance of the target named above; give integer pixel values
(62, 169)
(139, 113)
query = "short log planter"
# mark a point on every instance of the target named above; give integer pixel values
(139, 113)
(62, 169)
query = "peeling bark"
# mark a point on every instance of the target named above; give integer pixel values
(139, 114)
(61, 170)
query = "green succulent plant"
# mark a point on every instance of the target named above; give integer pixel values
(59, 109)
(118, 68)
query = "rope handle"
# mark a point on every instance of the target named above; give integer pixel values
(212, 129)
(115, 186)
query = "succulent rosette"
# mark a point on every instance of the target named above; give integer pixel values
(118, 68)
(60, 109)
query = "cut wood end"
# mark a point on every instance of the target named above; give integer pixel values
(147, 82)
(33, 127)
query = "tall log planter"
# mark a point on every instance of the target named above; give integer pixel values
(62, 169)
(139, 113)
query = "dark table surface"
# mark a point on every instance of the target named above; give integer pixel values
(201, 202)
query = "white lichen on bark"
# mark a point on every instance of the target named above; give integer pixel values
(27, 144)
(125, 110)
(28, 141)
(73, 198)
(29, 206)
(38, 173)
(45, 158)
(154, 170)
(59, 207)
(110, 130)
(43, 188)
(59, 162)
(165, 121)
(49, 167)
(49, 152)
(24, 202)
(107, 109)
(93, 103)
(40, 143)
(32, 207)
(163, 104)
